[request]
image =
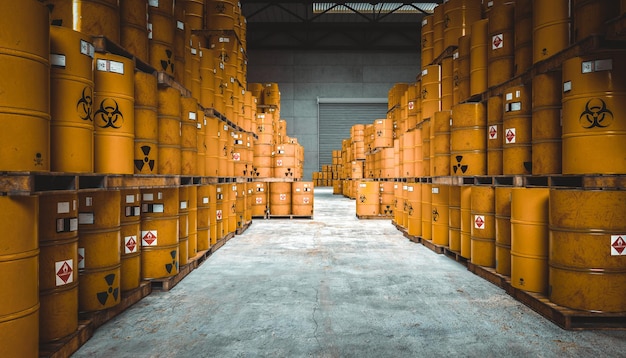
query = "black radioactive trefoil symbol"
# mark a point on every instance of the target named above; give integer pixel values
(458, 165)
(110, 114)
(84, 105)
(140, 163)
(174, 263)
(596, 114)
(167, 63)
(104, 296)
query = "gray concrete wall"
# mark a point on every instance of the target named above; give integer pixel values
(303, 76)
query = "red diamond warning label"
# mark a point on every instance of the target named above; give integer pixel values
(218, 215)
(618, 245)
(283, 197)
(411, 105)
(130, 244)
(279, 162)
(149, 238)
(510, 135)
(236, 157)
(306, 200)
(497, 42)
(81, 257)
(493, 132)
(479, 222)
(64, 272)
(259, 200)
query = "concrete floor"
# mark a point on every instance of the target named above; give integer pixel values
(337, 287)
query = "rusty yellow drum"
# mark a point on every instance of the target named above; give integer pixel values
(454, 218)
(594, 92)
(302, 198)
(427, 213)
(587, 266)
(159, 232)
(503, 230)
(130, 232)
(483, 231)
(466, 221)
(546, 123)
(468, 140)
(517, 131)
(494, 135)
(413, 208)
(367, 198)
(440, 214)
(169, 124)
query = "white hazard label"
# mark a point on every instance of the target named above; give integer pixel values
(130, 244)
(493, 132)
(479, 222)
(509, 135)
(64, 272)
(283, 197)
(306, 200)
(497, 41)
(218, 215)
(279, 162)
(149, 238)
(618, 245)
(81, 257)
(259, 200)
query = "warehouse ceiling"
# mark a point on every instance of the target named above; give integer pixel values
(309, 25)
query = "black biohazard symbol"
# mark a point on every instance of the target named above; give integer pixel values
(232, 209)
(174, 263)
(224, 57)
(165, 64)
(140, 163)
(458, 165)
(435, 215)
(38, 159)
(424, 93)
(84, 105)
(395, 203)
(110, 115)
(410, 209)
(225, 151)
(362, 198)
(596, 114)
(104, 296)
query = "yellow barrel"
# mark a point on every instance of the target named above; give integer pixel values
(280, 198)
(483, 232)
(193, 76)
(387, 162)
(523, 35)
(220, 85)
(590, 17)
(441, 139)
(130, 233)
(207, 76)
(262, 162)
(454, 218)
(427, 213)
(529, 239)
(431, 91)
(587, 270)
(425, 133)
(25, 80)
(414, 209)
(458, 17)
(551, 28)
(462, 75)
(468, 140)
(159, 232)
(368, 198)
(503, 230)
(58, 265)
(494, 135)
(71, 101)
(189, 136)
(427, 41)
(214, 149)
(134, 28)
(408, 161)
(447, 84)
(478, 57)
(146, 123)
(240, 205)
(222, 210)
(466, 221)
(233, 193)
(220, 14)
(249, 200)
(386, 198)
(193, 221)
(98, 17)
(517, 131)
(271, 94)
(19, 264)
(169, 124)
(302, 198)
(500, 58)
(225, 167)
(213, 211)
(99, 246)
(440, 213)
(194, 14)
(546, 123)
(406, 204)
(438, 26)
(202, 143)
(114, 114)
(260, 199)
(183, 224)
(398, 204)
(594, 90)
(203, 223)
(180, 36)
(161, 34)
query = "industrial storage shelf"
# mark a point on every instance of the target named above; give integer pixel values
(27, 183)
(290, 217)
(276, 180)
(583, 181)
(212, 112)
(166, 80)
(374, 217)
(208, 33)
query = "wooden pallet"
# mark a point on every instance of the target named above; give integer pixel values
(456, 256)
(374, 217)
(167, 283)
(412, 238)
(90, 321)
(291, 217)
(438, 249)
(566, 318)
(243, 229)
